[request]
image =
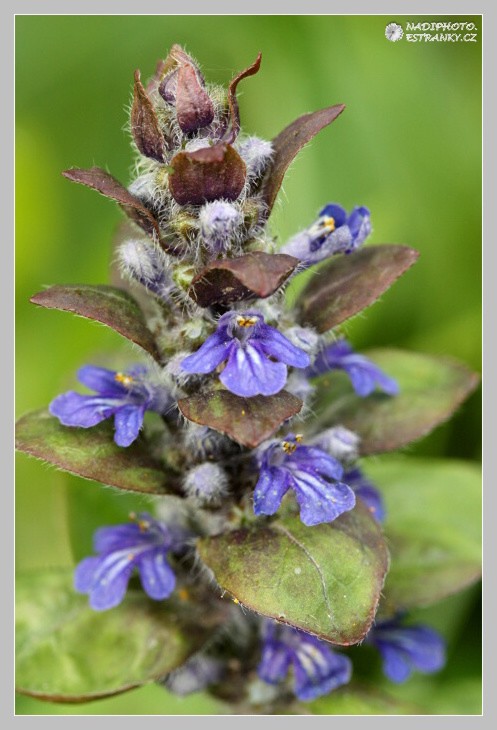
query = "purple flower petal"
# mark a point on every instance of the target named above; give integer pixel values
(425, 647)
(270, 489)
(319, 670)
(128, 421)
(157, 577)
(84, 575)
(396, 665)
(105, 578)
(274, 664)
(122, 537)
(387, 384)
(359, 223)
(335, 211)
(312, 458)
(405, 648)
(275, 344)
(361, 377)
(74, 409)
(320, 501)
(364, 374)
(214, 350)
(101, 380)
(249, 372)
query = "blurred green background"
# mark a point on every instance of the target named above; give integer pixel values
(408, 146)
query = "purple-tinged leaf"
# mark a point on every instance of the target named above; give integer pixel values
(256, 274)
(348, 284)
(233, 122)
(107, 185)
(325, 580)
(145, 125)
(107, 304)
(288, 144)
(248, 421)
(194, 108)
(108, 652)
(91, 453)
(208, 174)
(431, 389)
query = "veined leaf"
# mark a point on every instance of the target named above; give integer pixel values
(324, 579)
(431, 389)
(433, 527)
(91, 453)
(107, 304)
(66, 652)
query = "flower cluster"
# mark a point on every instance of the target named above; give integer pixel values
(234, 372)
(333, 232)
(143, 544)
(124, 395)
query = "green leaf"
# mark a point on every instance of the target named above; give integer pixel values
(92, 453)
(431, 389)
(348, 284)
(359, 700)
(107, 304)
(248, 421)
(66, 652)
(325, 579)
(433, 528)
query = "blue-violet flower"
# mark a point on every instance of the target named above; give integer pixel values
(317, 668)
(333, 232)
(126, 396)
(406, 648)
(144, 544)
(247, 343)
(364, 374)
(311, 473)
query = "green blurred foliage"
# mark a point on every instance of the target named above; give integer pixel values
(408, 146)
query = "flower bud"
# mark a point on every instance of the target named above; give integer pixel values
(147, 265)
(304, 337)
(340, 443)
(202, 442)
(206, 483)
(219, 221)
(256, 153)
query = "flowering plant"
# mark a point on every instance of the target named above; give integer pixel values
(269, 550)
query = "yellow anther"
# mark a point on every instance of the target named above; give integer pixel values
(125, 380)
(246, 321)
(329, 224)
(299, 437)
(235, 600)
(143, 525)
(288, 447)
